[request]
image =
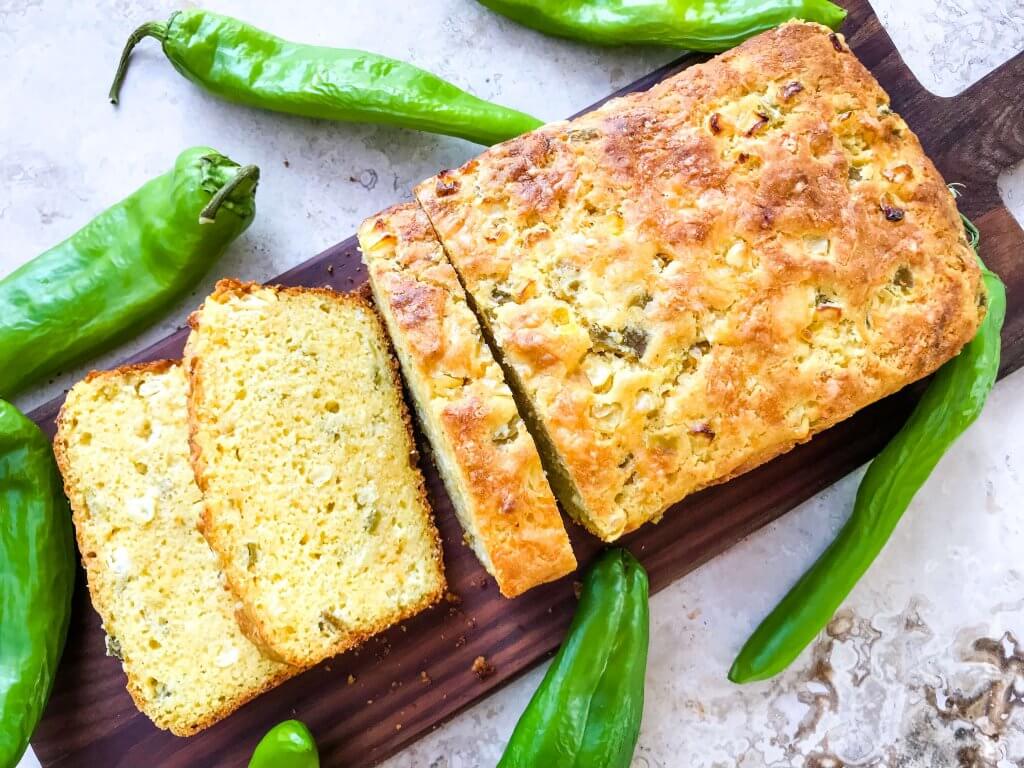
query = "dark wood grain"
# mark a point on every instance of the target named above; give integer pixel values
(91, 721)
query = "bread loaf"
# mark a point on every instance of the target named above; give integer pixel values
(689, 281)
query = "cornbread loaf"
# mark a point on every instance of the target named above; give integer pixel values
(122, 446)
(689, 281)
(482, 449)
(302, 448)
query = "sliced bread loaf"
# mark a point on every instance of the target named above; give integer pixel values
(691, 280)
(302, 448)
(482, 449)
(122, 446)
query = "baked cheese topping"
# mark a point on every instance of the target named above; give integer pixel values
(689, 281)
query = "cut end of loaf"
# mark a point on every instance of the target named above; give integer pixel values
(482, 449)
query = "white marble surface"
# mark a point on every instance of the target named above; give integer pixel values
(923, 667)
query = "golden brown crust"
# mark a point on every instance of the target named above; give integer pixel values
(693, 279)
(484, 452)
(149, 366)
(87, 547)
(252, 625)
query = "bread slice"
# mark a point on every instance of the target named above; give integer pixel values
(122, 446)
(689, 281)
(302, 447)
(481, 447)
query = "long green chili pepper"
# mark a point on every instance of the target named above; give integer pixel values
(952, 401)
(698, 25)
(249, 66)
(586, 712)
(286, 745)
(124, 268)
(37, 575)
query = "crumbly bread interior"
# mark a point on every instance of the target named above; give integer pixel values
(691, 280)
(481, 447)
(301, 445)
(122, 445)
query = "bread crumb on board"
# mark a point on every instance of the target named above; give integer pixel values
(483, 668)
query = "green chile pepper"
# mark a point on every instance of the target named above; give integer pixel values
(698, 25)
(37, 576)
(249, 66)
(586, 712)
(122, 269)
(950, 404)
(286, 745)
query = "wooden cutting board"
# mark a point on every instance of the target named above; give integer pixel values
(415, 677)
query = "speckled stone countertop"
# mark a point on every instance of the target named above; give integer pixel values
(924, 666)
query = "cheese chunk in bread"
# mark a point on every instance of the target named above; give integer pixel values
(689, 281)
(302, 448)
(481, 447)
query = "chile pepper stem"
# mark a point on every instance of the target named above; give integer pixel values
(149, 29)
(245, 173)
